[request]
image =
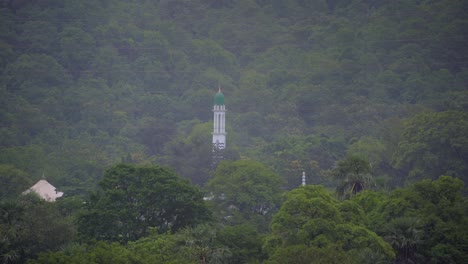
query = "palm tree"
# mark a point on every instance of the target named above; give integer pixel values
(404, 236)
(355, 175)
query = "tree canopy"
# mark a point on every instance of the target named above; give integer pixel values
(311, 221)
(133, 199)
(247, 190)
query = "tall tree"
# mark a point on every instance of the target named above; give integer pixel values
(132, 199)
(354, 174)
(245, 190)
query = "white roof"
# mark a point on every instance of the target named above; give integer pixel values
(45, 190)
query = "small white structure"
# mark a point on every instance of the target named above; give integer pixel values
(303, 179)
(45, 190)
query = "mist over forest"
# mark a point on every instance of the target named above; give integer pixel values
(110, 101)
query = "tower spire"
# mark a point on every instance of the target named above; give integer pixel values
(219, 126)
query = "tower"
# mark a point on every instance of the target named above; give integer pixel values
(219, 127)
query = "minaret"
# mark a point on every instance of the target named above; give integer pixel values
(303, 179)
(219, 127)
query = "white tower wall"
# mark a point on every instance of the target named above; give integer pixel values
(219, 126)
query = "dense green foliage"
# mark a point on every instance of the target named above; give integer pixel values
(134, 199)
(314, 220)
(245, 191)
(85, 85)
(369, 98)
(425, 223)
(434, 145)
(29, 226)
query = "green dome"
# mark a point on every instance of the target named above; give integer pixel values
(219, 98)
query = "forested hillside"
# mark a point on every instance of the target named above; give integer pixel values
(359, 94)
(86, 84)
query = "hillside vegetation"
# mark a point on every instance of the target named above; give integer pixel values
(87, 84)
